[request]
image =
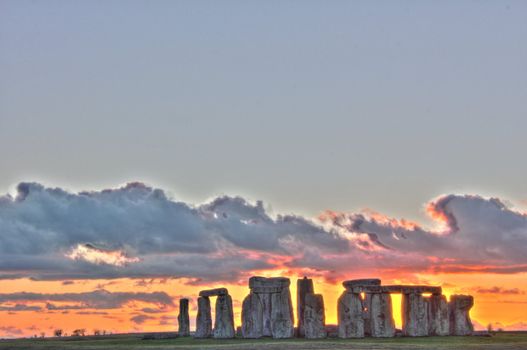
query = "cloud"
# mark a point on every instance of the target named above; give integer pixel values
(99, 299)
(497, 290)
(136, 231)
(20, 307)
(140, 319)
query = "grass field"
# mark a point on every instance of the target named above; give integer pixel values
(507, 341)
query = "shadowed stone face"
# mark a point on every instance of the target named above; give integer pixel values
(270, 298)
(459, 308)
(415, 315)
(314, 317)
(252, 317)
(282, 324)
(203, 319)
(224, 322)
(438, 315)
(351, 322)
(213, 292)
(382, 324)
(304, 286)
(183, 318)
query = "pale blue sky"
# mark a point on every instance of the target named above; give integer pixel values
(308, 105)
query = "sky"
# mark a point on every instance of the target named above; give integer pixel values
(152, 149)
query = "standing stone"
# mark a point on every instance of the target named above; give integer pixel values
(203, 319)
(265, 299)
(303, 287)
(415, 315)
(438, 315)
(282, 321)
(224, 322)
(314, 316)
(351, 323)
(382, 324)
(366, 313)
(459, 307)
(183, 318)
(252, 317)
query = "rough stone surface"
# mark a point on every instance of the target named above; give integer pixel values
(438, 316)
(365, 282)
(224, 322)
(382, 324)
(314, 317)
(304, 286)
(213, 292)
(349, 310)
(393, 289)
(252, 317)
(415, 315)
(183, 318)
(459, 308)
(282, 319)
(276, 282)
(203, 319)
(366, 313)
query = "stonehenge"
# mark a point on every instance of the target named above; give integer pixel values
(304, 286)
(459, 307)
(268, 310)
(183, 318)
(363, 309)
(224, 320)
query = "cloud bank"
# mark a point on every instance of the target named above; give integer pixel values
(136, 231)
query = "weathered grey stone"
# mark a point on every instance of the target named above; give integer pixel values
(314, 316)
(349, 310)
(276, 282)
(183, 318)
(365, 282)
(394, 289)
(438, 316)
(415, 315)
(459, 308)
(282, 321)
(304, 286)
(252, 317)
(366, 313)
(224, 322)
(203, 319)
(382, 324)
(213, 292)
(265, 299)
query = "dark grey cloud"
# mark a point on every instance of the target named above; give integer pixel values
(138, 232)
(20, 307)
(140, 319)
(98, 299)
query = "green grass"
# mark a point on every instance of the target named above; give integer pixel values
(507, 341)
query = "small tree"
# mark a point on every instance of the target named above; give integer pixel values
(78, 332)
(96, 332)
(57, 332)
(489, 328)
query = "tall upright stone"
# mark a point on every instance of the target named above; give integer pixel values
(224, 322)
(382, 324)
(415, 315)
(314, 317)
(282, 319)
(438, 315)
(304, 286)
(183, 318)
(252, 317)
(203, 319)
(459, 308)
(350, 318)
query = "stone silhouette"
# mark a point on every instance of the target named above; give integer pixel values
(304, 286)
(314, 316)
(183, 318)
(459, 307)
(224, 321)
(203, 319)
(270, 298)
